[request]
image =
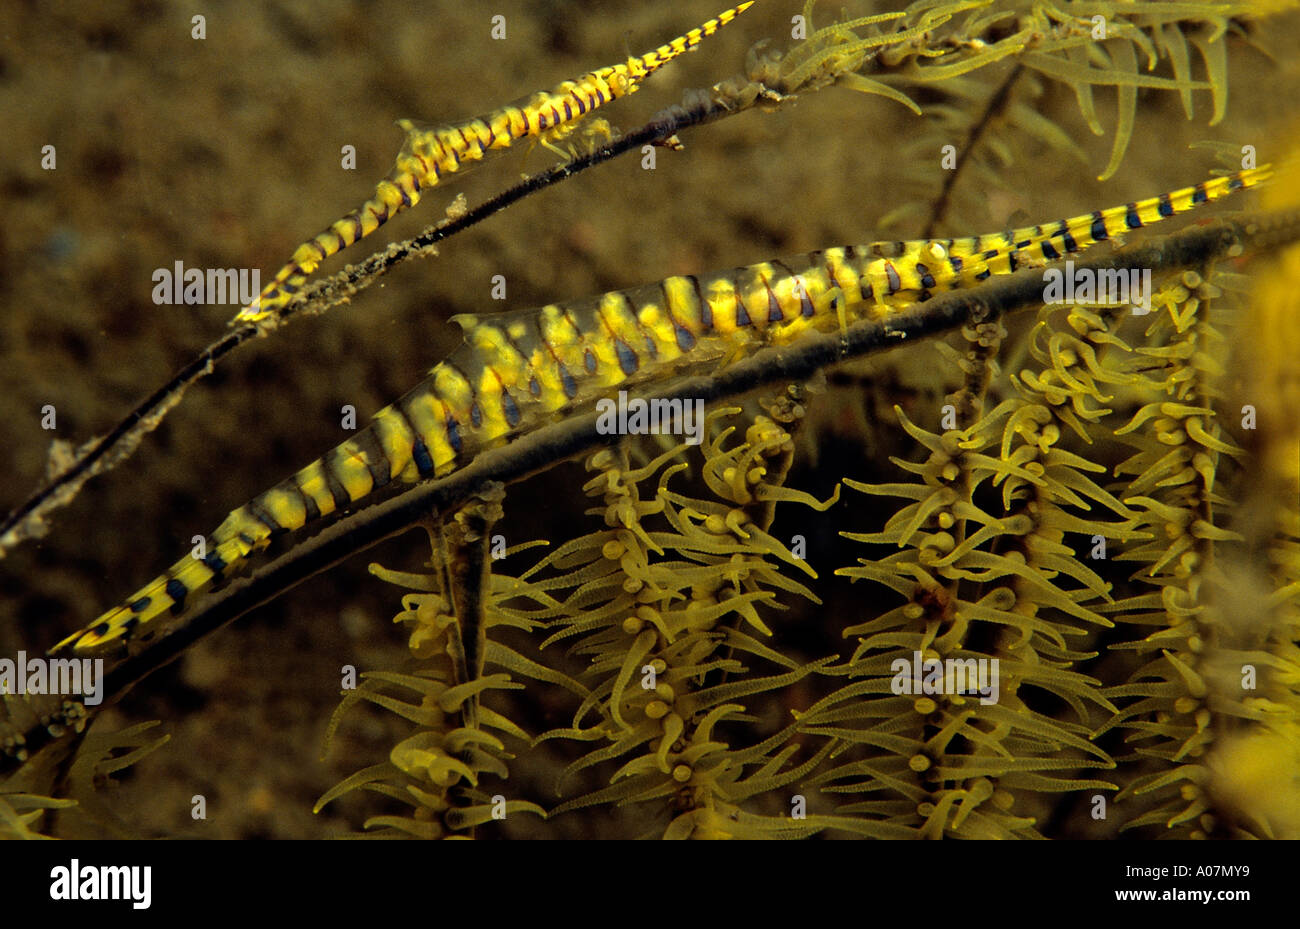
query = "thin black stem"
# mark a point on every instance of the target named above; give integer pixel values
(996, 106)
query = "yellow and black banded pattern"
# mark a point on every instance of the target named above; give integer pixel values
(518, 369)
(431, 154)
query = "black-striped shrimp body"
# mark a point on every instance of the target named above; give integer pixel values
(519, 369)
(432, 154)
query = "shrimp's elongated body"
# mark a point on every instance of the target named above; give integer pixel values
(432, 154)
(520, 369)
